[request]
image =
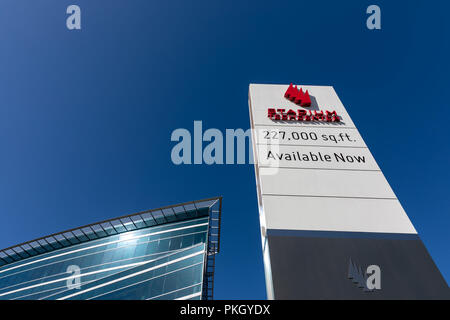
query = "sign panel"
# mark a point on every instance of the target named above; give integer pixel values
(315, 159)
(307, 136)
(319, 157)
(325, 206)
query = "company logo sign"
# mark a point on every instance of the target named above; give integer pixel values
(366, 281)
(298, 96)
(302, 99)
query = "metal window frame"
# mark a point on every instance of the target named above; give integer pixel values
(213, 247)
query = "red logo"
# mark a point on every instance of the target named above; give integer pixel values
(303, 99)
(298, 96)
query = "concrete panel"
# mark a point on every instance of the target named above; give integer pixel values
(317, 268)
(334, 183)
(335, 214)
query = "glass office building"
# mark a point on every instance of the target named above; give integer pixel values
(166, 253)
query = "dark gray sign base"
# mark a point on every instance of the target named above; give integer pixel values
(315, 265)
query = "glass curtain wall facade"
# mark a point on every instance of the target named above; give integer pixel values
(166, 253)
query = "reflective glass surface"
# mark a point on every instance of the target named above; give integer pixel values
(158, 262)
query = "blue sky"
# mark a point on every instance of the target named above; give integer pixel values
(86, 116)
